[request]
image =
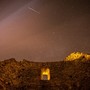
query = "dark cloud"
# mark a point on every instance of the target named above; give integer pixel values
(61, 28)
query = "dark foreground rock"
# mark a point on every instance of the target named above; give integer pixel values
(26, 75)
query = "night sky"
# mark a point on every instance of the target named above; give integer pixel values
(43, 30)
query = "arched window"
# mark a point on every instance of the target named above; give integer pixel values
(45, 74)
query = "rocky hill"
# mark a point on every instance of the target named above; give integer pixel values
(77, 55)
(26, 75)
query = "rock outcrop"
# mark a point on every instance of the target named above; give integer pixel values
(26, 75)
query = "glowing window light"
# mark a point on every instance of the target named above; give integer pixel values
(45, 74)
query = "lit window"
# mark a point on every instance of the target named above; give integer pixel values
(45, 74)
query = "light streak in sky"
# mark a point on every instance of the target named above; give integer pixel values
(33, 10)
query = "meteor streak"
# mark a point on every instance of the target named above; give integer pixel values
(33, 10)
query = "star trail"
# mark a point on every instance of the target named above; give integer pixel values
(43, 30)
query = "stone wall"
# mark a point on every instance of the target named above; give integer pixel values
(26, 75)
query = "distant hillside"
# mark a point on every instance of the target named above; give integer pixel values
(77, 55)
(26, 75)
